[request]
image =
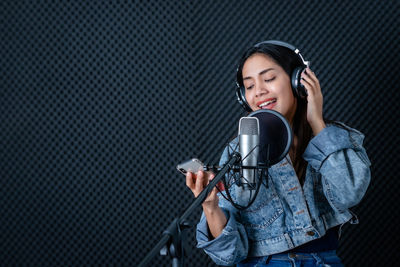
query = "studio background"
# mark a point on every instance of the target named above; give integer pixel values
(100, 101)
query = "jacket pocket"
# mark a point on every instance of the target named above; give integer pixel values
(257, 219)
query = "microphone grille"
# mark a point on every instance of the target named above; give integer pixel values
(249, 126)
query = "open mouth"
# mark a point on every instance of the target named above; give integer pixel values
(270, 103)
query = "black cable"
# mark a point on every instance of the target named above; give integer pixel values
(259, 181)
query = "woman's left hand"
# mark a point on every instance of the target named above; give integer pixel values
(315, 100)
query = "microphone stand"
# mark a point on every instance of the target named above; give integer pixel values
(171, 241)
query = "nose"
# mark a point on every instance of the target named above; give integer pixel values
(261, 89)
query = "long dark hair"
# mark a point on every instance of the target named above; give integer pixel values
(288, 60)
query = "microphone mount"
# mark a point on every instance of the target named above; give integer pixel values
(260, 168)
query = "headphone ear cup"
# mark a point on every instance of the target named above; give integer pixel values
(298, 89)
(241, 97)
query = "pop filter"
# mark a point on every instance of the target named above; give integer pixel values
(275, 131)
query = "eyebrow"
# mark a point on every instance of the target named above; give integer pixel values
(260, 73)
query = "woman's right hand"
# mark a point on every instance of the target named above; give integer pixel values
(197, 182)
(216, 218)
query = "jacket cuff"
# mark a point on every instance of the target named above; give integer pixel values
(221, 249)
(331, 139)
(204, 238)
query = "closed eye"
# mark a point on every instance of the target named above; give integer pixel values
(251, 86)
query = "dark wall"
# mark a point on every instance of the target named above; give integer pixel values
(99, 102)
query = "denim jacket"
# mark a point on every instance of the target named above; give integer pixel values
(285, 214)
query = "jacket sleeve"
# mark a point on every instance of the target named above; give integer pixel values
(231, 246)
(338, 155)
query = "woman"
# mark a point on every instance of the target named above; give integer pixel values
(296, 219)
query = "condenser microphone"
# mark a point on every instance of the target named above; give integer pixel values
(265, 138)
(249, 140)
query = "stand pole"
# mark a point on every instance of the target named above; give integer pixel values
(173, 234)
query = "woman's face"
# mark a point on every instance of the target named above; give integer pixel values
(268, 86)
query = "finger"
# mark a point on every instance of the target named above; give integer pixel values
(313, 82)
(189, 181)
(312, 75)
(221, 186)
(307, 77)
(307, 86)
(199, 181)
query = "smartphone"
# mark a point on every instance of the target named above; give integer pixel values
(193, 165)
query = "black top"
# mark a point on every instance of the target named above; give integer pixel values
(330, 241)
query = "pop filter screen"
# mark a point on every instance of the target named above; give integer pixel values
(275, 131)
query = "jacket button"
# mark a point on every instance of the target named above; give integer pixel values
(310, 233)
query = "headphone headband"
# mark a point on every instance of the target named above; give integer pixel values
(287, 45)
